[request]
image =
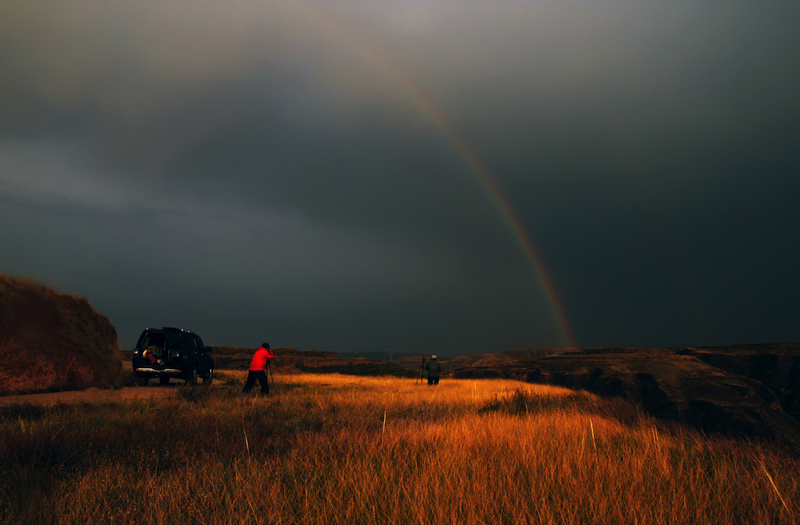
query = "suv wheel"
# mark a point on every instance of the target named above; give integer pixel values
(191, 377)
(142, 381)
(209, 378)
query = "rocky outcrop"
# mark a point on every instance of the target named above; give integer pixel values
(51, 341)
(670, 384)
(776, 366)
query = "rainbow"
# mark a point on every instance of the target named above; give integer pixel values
(439, 119)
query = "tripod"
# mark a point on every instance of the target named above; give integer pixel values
(269, 369)
(421, 371)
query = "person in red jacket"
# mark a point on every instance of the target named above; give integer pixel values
(258, 369)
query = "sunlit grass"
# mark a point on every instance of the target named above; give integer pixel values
(341, 449)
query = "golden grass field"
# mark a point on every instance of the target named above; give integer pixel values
(327, 449)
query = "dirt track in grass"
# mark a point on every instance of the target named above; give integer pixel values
(97, 395)
(94, 395)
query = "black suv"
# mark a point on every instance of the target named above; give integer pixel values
(171, 352)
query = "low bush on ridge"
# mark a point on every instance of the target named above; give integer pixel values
(369, 368)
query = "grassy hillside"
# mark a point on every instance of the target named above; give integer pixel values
(290, 360)
(341, 449)
(51, 341)
(238, 358)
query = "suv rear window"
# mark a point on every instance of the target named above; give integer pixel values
(153, 340)
(173, 339)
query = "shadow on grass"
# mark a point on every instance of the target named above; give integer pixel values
(522, 402)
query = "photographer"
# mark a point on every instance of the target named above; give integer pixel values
(434, 368)
(258, 369)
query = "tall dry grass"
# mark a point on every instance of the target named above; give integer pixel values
(339, 449)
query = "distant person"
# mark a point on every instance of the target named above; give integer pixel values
(434, 368)
(258, 369)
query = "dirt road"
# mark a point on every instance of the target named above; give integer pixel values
(94, 395)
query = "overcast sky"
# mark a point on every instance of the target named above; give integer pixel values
(309, 173)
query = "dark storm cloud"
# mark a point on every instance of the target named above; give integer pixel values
(281, 128)
(268, 164)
